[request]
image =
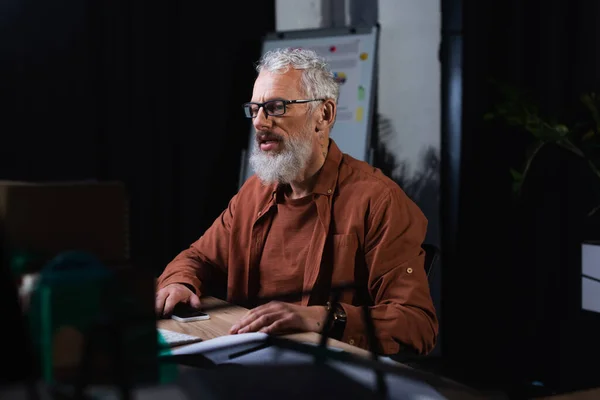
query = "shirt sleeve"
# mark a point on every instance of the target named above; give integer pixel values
(403, 313)
(205, 259)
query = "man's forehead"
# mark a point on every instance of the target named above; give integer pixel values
(278, 85)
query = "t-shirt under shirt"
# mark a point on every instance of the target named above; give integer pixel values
(281, 268)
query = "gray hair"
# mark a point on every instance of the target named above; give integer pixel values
(318, 81)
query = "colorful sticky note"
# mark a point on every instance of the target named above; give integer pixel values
(359, 114)
(340, 77)
(361, 93)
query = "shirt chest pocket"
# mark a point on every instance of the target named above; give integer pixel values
(344, 251)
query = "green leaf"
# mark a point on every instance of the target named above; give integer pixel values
(519, 177)
(561, 129)
(516, 175)
(590, 134)
(517, 181)
(534, 128)
(552, 133)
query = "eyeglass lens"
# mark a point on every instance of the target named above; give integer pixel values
(274, 107)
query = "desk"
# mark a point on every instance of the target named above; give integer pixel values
(222, 319)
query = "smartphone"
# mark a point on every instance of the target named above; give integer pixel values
(184, 313)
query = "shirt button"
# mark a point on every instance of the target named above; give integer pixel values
(329, 191)
(351, 341)
(409, 270)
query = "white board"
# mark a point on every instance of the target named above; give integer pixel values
(352, 55)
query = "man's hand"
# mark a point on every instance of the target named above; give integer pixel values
(277, 317)
(170, 295)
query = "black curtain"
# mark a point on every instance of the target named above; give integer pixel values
(512, 310)
(148, 93)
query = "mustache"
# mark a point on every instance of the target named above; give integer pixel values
(262, 136)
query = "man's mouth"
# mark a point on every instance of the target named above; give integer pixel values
(268, 143)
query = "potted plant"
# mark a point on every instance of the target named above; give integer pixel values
(579, 135)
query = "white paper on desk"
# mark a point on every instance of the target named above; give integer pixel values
(222, 343)
(400, 387)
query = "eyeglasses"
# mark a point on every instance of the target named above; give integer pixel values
(272, 107)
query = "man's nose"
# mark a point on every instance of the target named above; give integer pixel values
(261, 122)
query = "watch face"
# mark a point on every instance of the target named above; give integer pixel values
(340, 314)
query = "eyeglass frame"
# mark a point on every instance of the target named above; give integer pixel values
(285, 104)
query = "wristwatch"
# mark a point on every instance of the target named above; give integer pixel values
(338, 324)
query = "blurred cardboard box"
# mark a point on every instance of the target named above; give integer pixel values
(51, 217)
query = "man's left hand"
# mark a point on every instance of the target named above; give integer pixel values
(277, 317)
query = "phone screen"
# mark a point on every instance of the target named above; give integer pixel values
(185, 312)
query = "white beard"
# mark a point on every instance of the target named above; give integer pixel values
(285, 166)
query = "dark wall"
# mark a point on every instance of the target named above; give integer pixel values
(512, 289)
(144, 92)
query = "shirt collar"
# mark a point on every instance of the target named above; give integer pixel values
(327, 178)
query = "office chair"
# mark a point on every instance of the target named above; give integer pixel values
(432, 254)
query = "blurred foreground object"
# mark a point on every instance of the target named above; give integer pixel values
(95, 324)
(40, 220)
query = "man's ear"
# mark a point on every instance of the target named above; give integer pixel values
(326, 115)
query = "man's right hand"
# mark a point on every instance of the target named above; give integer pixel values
(170, 295)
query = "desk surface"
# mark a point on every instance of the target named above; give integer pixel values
(222, 319)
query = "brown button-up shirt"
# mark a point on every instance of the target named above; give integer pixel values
(368, 232)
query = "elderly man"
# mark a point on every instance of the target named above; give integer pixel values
(309, 219)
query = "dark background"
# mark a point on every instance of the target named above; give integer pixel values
(150, 94)
(511, 280)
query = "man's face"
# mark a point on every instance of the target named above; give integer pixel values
(285, 143)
